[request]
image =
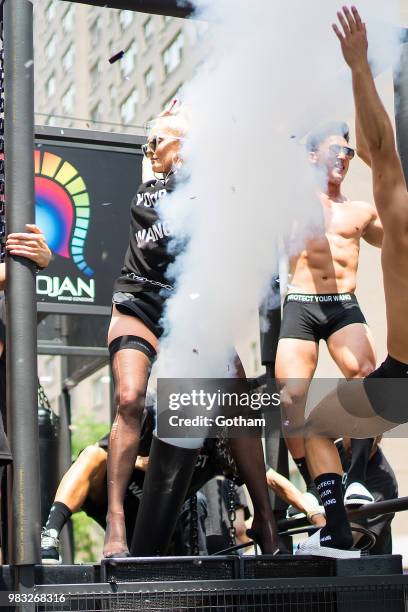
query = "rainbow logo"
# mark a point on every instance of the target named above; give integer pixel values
(62, 207)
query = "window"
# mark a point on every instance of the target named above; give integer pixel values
(176, 95)
(95, 31)
(129, 106)
(68, 58)
(68, 99)
(113, 94)
(172, 56)
(50, 10)
(125, 19)
(148, 31)
(149, 79)
(96, 112)
(95, 74)
(128, 61)
(68, 19)
(51, 86)
(51, 47)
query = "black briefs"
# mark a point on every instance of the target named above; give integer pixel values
(387, 390)
(317, 316)
(132, 342)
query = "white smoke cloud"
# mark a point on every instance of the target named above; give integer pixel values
(275, 72)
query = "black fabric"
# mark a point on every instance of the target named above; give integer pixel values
(361, 450)
(316, 317)
(217, 524)
(58, 516)
(382, 484)
(337, 533)
(132, 342)
(5, 452)
(301, 465)
(148, 306)
(147, 257)
(387, 390)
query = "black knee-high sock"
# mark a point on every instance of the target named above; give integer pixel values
(58, 516)
(337, 533)
(304, 471)
(360, 452)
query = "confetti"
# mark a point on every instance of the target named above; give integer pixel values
(29, 63)
(62, 131)
(194, 296)
(116, 57)
(195, 351)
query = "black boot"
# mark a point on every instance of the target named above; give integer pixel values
(165, 486)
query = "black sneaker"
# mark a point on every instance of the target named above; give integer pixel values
(49, 548)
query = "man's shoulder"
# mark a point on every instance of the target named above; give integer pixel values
(364, 208)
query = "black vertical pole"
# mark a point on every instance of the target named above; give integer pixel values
(20, 291)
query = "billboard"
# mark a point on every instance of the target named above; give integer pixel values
(83, 193)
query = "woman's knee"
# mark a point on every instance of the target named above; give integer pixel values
(130, 402)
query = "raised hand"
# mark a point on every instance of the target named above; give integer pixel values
(352, 37)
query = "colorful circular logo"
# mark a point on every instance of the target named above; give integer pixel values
(62, 207)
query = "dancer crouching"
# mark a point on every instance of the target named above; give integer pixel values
(138, 303)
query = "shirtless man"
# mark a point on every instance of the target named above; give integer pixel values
(378, 403)
(321, 305)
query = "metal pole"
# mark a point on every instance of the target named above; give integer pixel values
(20, 291)
(173, 8)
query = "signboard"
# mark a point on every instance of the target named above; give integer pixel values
(83, 194)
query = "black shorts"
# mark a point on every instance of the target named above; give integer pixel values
(387, 390)
(148, 306)
(317, 316)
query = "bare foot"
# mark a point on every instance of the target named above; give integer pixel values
(115, 536)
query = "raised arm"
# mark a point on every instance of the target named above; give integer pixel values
(389, 182)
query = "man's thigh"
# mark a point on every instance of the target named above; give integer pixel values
(352, 348)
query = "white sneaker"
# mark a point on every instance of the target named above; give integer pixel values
(357, 495)
(312, 546)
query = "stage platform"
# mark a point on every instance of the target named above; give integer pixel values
(224, 584)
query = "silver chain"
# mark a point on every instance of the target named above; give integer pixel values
(143, 279)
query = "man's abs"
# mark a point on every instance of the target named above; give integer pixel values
(326, 265)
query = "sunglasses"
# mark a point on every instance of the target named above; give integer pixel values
(336, 150)
(151, 145)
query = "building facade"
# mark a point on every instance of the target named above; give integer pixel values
(75, 84)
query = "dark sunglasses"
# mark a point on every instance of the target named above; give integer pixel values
(338, 149)
(151, 145)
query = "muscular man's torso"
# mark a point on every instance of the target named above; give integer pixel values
(328, 263)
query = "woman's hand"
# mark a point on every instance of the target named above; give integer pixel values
(30, 244)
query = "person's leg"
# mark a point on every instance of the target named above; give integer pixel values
(296, 362)
(352, 348)
(345, 412)
(87, 473)
(131, 369)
